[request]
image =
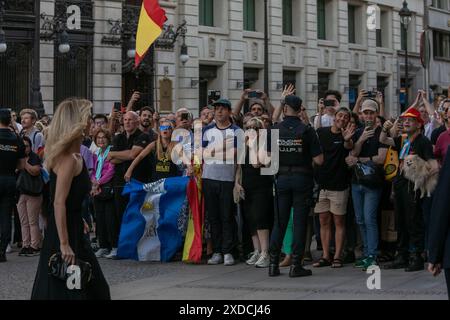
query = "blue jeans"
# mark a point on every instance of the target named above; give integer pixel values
(365, 203)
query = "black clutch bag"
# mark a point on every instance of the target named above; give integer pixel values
(57, 268)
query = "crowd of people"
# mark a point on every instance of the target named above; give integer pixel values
(340, 179)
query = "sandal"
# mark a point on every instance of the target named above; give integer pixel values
(337, 263)
(322, 263)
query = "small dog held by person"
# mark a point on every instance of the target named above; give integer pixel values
(421, 173)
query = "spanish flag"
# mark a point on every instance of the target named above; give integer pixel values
(151, 21)
(192, 251)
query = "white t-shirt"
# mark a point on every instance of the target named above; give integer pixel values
(325, 121)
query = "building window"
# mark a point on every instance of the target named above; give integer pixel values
(441, 45)
(15, 76)
(289, 77)
(383, 34)
(207, 76)
(206, 13)
(351, 24)
(441, 4)
(354, 80)
(323, 80)
(382, 83)
(321, 27)
(249, 15)
(73, 74)
(287, 17)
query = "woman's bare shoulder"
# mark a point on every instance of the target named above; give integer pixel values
(69, 163)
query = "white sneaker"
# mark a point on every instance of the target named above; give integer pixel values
(263, 261)
(254, 257)
(8, 248)
(216, 259)
(112, 254)
(228, 260)
(102, 252)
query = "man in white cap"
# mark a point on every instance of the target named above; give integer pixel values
(368, 154)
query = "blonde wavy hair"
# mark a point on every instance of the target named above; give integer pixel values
(67, 127)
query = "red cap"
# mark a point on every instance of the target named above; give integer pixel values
(412, 113)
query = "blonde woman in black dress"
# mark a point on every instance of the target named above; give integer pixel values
(69, 184)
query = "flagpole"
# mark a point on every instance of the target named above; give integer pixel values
(266, 50)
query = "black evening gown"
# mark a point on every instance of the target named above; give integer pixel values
(46, 287)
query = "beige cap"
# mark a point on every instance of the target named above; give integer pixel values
(369, 104)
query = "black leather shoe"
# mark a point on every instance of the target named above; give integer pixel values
(416, 263)
(274, 262)
(399, 262)
(297, 269)
(2, 258)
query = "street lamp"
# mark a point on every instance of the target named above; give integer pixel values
(131, 53)
(184, 55)
(405, 19)
(64, 45)
(3, 45)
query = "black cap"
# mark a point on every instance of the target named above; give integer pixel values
(5, 116)
(294, 102)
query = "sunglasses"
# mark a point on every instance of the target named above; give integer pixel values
(164, 128)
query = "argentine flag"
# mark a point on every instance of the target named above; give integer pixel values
(154, 221)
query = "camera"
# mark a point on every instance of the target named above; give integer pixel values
(213, 95)
(255, 95)
(329, 103)
(371, 94)
(117, 106)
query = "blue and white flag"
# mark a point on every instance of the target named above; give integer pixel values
(154, 221)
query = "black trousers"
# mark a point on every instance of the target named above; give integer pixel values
(121, 203)
(220, 208)
(447, 279)
(7, 202)
(293, 191)
(105, 218)
(409, 218)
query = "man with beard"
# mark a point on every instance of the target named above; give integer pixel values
(146, 121)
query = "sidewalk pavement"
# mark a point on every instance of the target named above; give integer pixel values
(242, 282)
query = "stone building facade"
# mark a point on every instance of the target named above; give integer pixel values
(227, 52)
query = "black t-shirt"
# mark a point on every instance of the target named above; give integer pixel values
(251, 176)
(334, 174)
(436, 133)
(371, 145)
(34, 160)
(369, 148)
(161, 169)
(122, 143)
(143, 171)
(420, 146)
(12, 150)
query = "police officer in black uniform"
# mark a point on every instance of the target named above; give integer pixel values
(299, 147)
(12, 157)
